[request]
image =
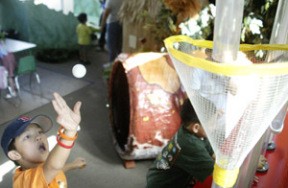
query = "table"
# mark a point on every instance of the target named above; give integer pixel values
(13, 45)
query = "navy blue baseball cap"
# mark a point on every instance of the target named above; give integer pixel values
(18, 126)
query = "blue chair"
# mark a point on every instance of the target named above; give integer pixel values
(26, 65)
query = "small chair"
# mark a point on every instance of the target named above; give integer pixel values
(26, 65)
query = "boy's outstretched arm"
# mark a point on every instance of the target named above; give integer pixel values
(78, 163)
(69, 120)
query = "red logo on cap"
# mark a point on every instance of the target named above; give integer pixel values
(24, 118)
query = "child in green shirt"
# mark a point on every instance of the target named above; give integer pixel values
(188, 156)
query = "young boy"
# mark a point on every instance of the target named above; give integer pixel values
(187, 157)
(84, 33)
(25, 143)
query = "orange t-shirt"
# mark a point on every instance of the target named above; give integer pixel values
(34, 178)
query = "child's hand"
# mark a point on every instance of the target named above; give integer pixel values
(79, 163)
(66, 117)
(255, 180)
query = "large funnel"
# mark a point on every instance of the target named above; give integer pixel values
(235, 102)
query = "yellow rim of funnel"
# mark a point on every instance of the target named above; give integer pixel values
(223, 177)
(224, 68)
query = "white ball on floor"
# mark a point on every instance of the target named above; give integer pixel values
(79, 71)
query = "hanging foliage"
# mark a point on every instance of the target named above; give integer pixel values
(170, 15)
(257, 25)
(164, 18)
(183, 9)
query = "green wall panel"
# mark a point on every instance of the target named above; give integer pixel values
(45, 27)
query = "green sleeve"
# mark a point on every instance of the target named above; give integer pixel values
(195, 159)
(93, 29)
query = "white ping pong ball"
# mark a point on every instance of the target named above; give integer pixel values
(79, 71)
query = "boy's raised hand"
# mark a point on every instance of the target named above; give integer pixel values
(69, 119)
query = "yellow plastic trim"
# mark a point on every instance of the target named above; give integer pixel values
(224, 68)
(223, 177)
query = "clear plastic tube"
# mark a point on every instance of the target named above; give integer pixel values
(280, 28)
(278, 122)
(279, 33)
(279, 36)
(227, 30)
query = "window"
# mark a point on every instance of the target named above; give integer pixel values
(59, 5)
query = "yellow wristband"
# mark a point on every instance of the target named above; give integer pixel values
(64, 136)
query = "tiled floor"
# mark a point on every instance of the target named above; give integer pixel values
(105, 168)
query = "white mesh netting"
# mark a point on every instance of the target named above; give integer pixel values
(235, 102)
